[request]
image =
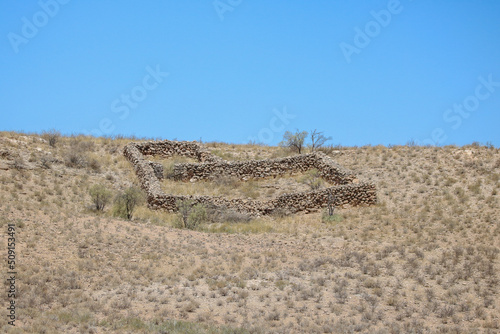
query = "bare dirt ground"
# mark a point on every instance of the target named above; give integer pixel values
(423, 260)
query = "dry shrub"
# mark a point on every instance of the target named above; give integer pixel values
(94, 165)
(281, 212)
(192, 215)
(75, 160)
(228, 216)
(77, 155)
(18, 163)
(46, 161)
(313, 179)
(52, 137)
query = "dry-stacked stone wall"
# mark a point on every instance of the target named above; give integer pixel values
(347, 190)
(169, 148)
(329, 170)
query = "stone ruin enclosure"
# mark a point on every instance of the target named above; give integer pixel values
(346, 190)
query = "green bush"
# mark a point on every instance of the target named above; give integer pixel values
(126, 202)
(294, 141)
(100, 196)
(191, 215)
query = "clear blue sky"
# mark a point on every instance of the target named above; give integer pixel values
(370, 72)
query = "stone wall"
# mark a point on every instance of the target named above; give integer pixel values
(328, 169)
(169, 148)
(346, 191)
(353, 194)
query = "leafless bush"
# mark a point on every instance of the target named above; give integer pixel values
(317, 140)
(52, 136)
(446, 311)
(340, 290)
(5, 154)
(94, 165)
(281, 212)
(46, 161)
(122, 303)
(18, 163)
(497, 163)
(82, 145)
(75, 160)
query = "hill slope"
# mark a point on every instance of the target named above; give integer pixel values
(425, 259)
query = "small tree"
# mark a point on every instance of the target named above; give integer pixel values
(318, 140)
(294, 141)
(52, 136)
(100, 196)
(126, 202)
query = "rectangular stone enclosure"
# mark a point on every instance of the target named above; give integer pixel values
(346, 190)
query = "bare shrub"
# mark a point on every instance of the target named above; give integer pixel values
(77, 155)
(81, 144)
(18, 163)
(229, 216)
(52, 137)
(318, 140)
(340, 290)
(329, 149)
(46, 161)
(75, 160)
(192, 215)
(446, 311)
(281, 212)
(94, 165)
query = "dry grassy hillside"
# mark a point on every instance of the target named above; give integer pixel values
(424, 260)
